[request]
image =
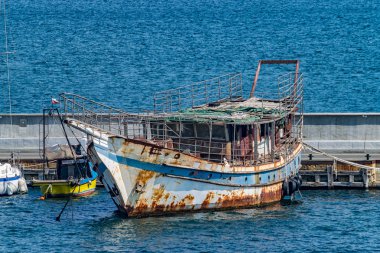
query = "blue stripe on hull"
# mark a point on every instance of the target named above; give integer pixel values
(240, 179)
(9, 179)
(171, 192)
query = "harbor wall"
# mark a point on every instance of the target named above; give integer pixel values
(351, 136)
(22, 134)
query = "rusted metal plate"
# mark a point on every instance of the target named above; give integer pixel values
(160, 201)
(144, 181)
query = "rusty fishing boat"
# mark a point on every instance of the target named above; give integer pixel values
(203, 147)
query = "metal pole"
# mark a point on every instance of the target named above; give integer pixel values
(256, 149)
(210, 138)
(273, 136)
(44, 142)
(255, 80)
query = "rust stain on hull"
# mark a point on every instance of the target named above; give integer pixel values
(207, 200)
(151, 198)
(271, 194)
(213, 201)
(187, 201)
(144, 176)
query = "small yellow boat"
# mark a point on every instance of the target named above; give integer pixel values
(74, 178)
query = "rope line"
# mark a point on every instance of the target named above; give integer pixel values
(314, 149)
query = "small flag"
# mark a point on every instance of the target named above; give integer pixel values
(54, 101)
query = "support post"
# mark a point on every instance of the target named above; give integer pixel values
(330, 177)
(365, 177)
(273, 136)
(228, 143)
(256, 149)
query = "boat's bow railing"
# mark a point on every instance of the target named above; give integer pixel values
(226, 87)
(93, 113)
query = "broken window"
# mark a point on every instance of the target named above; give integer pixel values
(218, 132)
(203, 131)
(187, 130)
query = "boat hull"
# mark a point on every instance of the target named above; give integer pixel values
(146, 180)
(9, 186)
(11, 180)
(57, 189)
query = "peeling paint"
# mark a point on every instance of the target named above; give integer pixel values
(144, 176)
(159, 193)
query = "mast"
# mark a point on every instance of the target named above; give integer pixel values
(6, 53)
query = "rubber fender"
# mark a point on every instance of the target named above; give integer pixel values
(9, 189)
(22, 187)
(292, 186)
(285, 188)
(298, 183)
(299, 177)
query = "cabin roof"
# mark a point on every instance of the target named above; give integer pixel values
(240, 111)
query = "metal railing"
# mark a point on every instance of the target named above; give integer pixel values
(94, 113)
(153, 127)
(199, 93)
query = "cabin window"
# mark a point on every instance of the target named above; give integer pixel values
(187, 130)
(157, 130)
(264, 130)
(203, 131)
(218, 132)
(244, 131)
(67, 171)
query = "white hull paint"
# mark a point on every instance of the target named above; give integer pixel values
(11, 181)
(143, 188)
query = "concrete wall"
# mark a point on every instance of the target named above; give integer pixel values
(348, 135)
(25, 135)
(352, 136)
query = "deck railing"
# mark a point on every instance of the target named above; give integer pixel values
(225, 87)
(236, 151)
(94, 113)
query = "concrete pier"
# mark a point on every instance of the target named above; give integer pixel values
(22, 134)
(350, 136)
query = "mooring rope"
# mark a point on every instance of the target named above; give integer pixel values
(314, 149)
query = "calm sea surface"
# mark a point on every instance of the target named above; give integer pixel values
(120, 52)
(326, 221)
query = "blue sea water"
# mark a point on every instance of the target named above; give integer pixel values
(121, 52)
(326, 221)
